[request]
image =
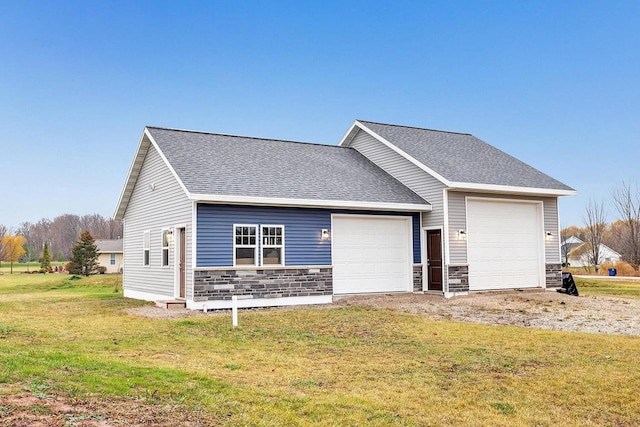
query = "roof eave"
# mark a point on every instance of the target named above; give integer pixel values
(332, 204)
(132, 176)
(508, 189)
(350, 134)
(136, 167)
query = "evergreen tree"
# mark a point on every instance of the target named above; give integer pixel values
(45, 259)
(84, 255)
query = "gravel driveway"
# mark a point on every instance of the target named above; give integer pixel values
(536, 309)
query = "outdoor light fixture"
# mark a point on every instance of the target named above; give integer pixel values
(170, 237)
(324, 235)
(549, 235)
(462, 234)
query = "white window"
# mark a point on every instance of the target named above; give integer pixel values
(145, 247)
(112, 259)
(165, 247)
(245, 244)
(272, 244)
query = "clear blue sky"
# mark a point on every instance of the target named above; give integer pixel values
(556, 84)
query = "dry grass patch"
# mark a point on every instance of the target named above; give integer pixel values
(304, 366)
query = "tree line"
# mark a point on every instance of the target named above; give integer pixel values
(61, 234)
(622, 235)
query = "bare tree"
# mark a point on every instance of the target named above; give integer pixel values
(63, 231)
(595, 224)
(627, 202)
(3, 232)
(565, 233)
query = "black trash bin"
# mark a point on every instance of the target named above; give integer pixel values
(568, 285)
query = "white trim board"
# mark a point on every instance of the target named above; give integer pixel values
(468, 186)
(328, 204)
(146, 296)
(259, 302)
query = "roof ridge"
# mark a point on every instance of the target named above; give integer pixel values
(414, 127)
(243, 136)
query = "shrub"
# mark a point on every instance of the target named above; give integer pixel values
(624, 268)
(102, 269)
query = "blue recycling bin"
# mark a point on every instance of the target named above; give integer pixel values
(613, 272)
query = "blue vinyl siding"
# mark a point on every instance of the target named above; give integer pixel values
(302, 228)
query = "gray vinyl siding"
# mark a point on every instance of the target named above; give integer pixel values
(551, 245)
(153, 210)
(457, 221)
(423, 184)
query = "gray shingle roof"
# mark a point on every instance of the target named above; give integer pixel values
(463, 158)
(215, 164)
(108, 246)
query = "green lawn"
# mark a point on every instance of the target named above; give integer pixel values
(609, 287)
(307, 366)
(19, 267)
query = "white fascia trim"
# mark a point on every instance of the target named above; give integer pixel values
(405, 155)
(259, 302)
(445, 241)
(191, 273)
(276, 201)
(348, 136)
(132, 170)
(494, 188)
(146, 296)
(451, 184)
(166, 162)
(136, 167)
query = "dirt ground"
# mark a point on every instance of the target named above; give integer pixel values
(533, 309)
(26, 410)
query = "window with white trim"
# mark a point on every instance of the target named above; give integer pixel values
(165, 247)
(112, 259)
(146, 241)
(245, 244)
(272, 244)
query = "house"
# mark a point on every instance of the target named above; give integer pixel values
(567, 245)
(578, 253)
(389, 209)
(110, 254)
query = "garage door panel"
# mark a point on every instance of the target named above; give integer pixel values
(371, 254)
(503, 244)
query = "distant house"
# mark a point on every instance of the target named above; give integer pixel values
(110, 254)
(567, 246)
(389, 209)
(578, 253)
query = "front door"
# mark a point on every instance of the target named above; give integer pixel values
(434, 260)
(183, 257)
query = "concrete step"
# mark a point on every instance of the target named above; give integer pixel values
(171, 304)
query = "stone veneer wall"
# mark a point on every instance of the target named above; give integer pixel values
(458, 280)
(417, 278)
(554, 275)
(262, 283)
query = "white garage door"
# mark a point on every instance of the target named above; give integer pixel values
(504, 244)
(371, 254)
